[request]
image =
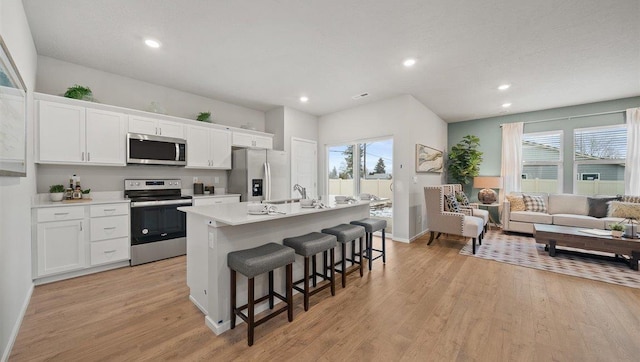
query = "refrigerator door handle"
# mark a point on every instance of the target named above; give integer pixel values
(267, 182)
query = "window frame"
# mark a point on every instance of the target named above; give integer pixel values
(559, 164)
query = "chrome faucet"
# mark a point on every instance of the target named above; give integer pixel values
(301, 190)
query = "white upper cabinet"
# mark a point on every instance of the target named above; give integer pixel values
(208, 148)
(71, 134)
(155, 127)
(250, 140)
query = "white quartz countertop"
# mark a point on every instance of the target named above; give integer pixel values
(42, 202)
(237, 213)
(209, 196)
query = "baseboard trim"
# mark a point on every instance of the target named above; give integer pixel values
(81, 272)
(16, 327)
(412, 239)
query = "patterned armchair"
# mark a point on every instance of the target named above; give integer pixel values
(455, 223)
(475, 211)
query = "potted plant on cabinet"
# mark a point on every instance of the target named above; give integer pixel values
(56, 192)
(204, 117)
(79, 92)
(464, 160)
(86, 194)
(616, 230)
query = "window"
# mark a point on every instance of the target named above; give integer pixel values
(599, 160)
(542, 162)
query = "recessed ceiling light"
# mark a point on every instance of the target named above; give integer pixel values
(506, 105)
(152, 43)
(304, 99)
(409, 62)
(504, 86)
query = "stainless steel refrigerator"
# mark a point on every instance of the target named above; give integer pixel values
(259, 175)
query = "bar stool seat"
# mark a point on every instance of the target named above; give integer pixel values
(348, 233)
(370, 226)
(309, 245)
(251, 263)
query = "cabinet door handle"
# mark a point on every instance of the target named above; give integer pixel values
(110, 228)
(88, 156)
(109, 210)
(109, 251)
(61, 213)
(82, 156)
(80, 225)
(160, 128)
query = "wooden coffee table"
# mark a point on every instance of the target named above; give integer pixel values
(554, 235)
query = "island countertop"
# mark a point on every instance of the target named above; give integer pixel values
(237, 213)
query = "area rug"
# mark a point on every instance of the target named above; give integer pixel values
(524, 251)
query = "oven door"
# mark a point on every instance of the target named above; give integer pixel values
(157, 222)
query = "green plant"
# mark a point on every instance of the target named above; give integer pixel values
(56, 188)
(464, 160)
(204, 117)
(616, 227)
(79, 92)
(86, 192)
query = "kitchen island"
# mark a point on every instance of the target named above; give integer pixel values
(214, 231)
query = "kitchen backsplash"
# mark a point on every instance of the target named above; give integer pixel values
(104, 178)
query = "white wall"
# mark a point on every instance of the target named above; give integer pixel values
(15, 192)
(408, 122)
(300, 125)
(274, 123)
(55, 76)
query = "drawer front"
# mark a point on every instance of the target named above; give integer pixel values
(109, 251)
(103, 228)
(46, 214)
(109, 210)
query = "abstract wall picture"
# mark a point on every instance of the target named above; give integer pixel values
(428, 159)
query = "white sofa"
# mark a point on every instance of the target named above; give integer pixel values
(562, 209)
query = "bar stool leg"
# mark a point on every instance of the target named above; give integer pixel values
(370, 249)
(384, 249)
(333, 272)
(233, 299)
(361, 263)
(271, 289)
(306, 283)
(313, 271)
(290, 292)
(344, 263)
(250, 311)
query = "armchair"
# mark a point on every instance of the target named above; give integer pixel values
(456, 223)
(475, 211)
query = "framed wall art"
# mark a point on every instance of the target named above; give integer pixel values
(428, 159)
(13, 117)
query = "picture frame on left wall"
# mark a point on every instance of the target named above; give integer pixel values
(429, 159)
(13, 117)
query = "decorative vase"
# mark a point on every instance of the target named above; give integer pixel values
(86, 196)
(56, 196)
(616, 233)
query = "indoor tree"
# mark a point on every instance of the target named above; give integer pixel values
(464, 160)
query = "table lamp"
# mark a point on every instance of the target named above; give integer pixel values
(487, 183)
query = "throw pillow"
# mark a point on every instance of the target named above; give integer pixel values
(451, 204)
(516, 203)
(627, 210)
(534, 203)
(629, 198)
(598, 206)
(462, 198)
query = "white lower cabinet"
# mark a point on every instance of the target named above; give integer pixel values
(73, 239)
(205, 201)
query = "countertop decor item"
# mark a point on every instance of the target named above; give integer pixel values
(56, 192)
(204, 117)
(86, 194)
(79, 92)
(616, 230)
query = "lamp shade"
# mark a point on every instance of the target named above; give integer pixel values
(487, 182)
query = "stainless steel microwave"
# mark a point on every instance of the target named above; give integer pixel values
(156, 150)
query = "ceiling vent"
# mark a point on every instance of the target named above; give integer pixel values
(361, 95)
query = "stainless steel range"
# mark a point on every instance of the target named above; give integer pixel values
(158, 229)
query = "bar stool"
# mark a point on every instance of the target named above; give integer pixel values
(370, 226)
(348, 233)
(309, 245)
(253, 262)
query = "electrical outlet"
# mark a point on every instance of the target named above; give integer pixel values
(195, 179)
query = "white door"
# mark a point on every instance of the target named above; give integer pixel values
(61, 133)
(106, 137)
(60, 247)
(198, 154)
(220, 149)
(304, 163)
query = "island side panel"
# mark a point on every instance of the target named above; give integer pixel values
(198, 236)
(230, 238)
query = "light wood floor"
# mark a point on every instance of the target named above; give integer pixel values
(427, 303)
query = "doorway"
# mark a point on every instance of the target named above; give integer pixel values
(370, 162)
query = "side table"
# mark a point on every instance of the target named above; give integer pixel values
(489, 207)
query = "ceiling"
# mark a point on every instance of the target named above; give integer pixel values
(267, 53)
